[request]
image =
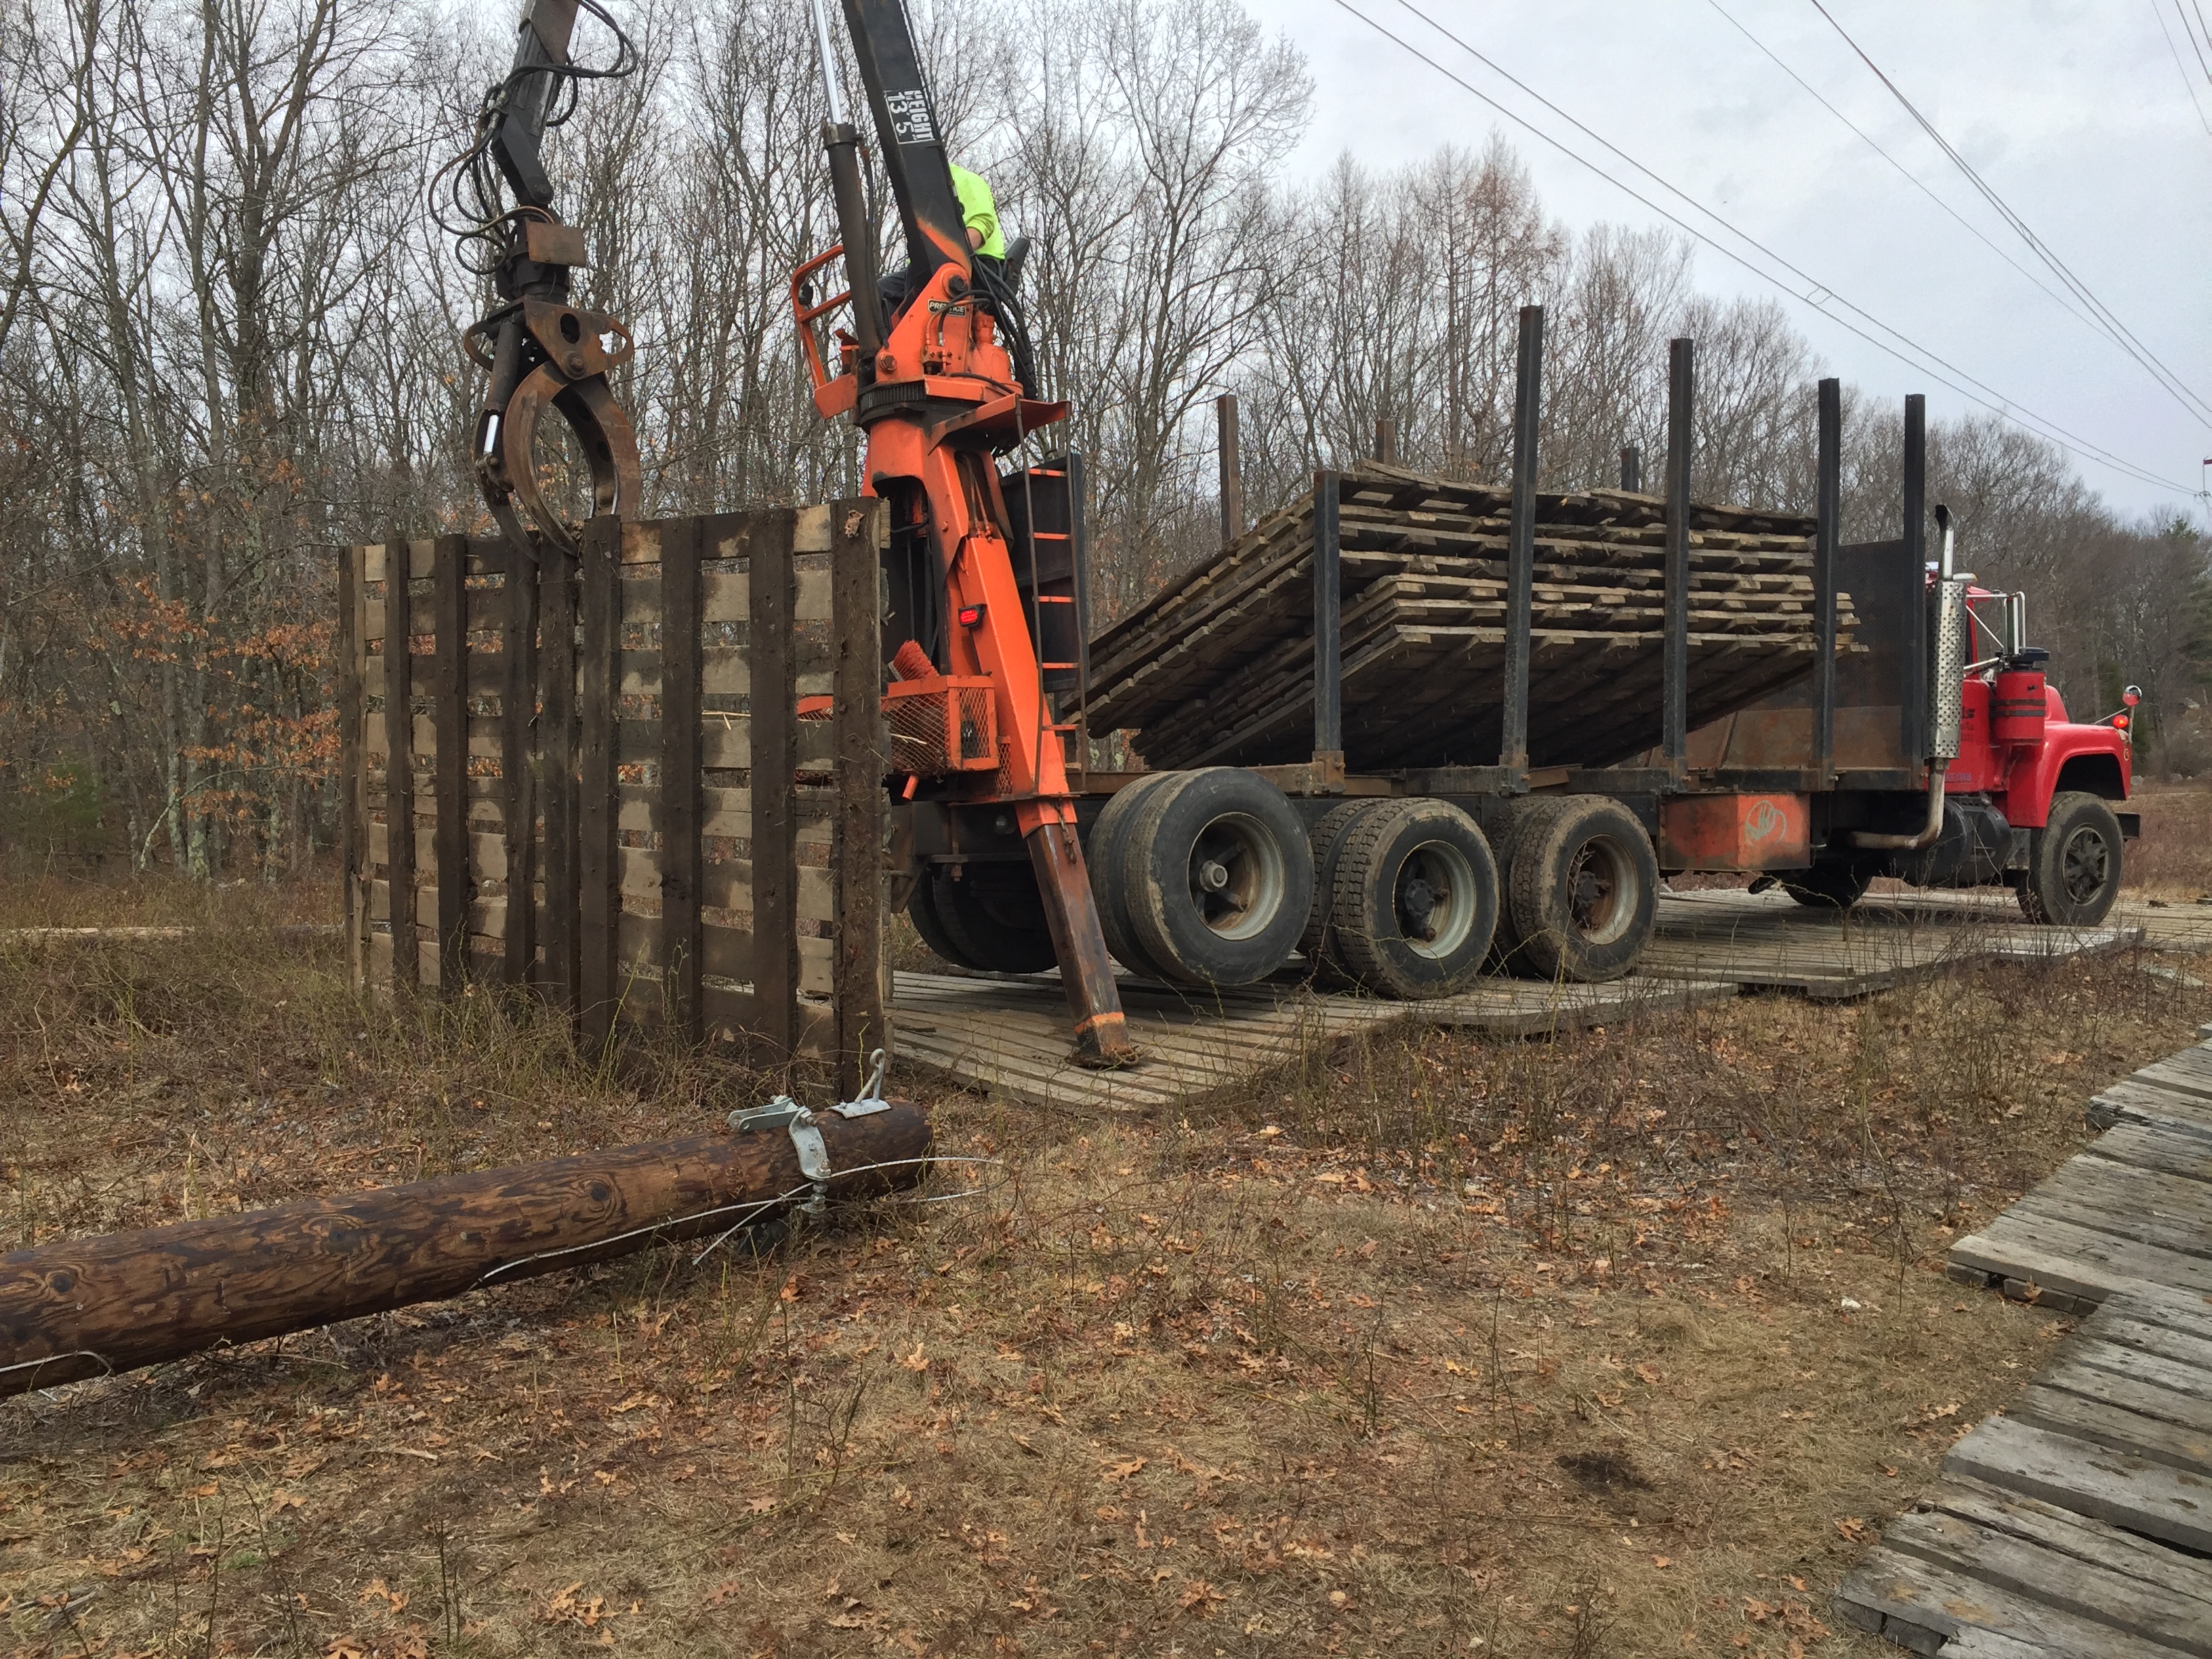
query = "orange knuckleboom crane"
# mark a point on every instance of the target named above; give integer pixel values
(938, 393)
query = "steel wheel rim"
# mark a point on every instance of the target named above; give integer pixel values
(2085, 865)
(1235, 876)
(1601, 890)
(1433, 900)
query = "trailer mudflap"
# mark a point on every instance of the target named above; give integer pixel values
(1734, 832)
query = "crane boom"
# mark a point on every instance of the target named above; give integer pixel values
(937, 392)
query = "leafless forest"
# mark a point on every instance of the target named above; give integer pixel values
(228, 324)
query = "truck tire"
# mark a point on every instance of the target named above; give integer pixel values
(1583, 892)
(2073, 863)
(1414, 901)
(921, 910)
(992, 916)
(1217, 877)
(1109, 836)
(1524, 819)
(1327, 839)
(1828, 886)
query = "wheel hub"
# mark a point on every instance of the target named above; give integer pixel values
(1236, 876)
(2085, 865)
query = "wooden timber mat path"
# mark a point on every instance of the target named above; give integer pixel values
(2079, 1521)
(1770, 940)
(1009, 1035)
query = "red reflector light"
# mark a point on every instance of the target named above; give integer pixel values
(2120, 720)
(972, 616)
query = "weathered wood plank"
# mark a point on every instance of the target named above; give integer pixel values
(2133, 1101)
(771, 591)
(399, 785)
(2174, 1309)
(2128, 1203)
(2079, 1262)
(681, 851)
(2135, 1493)
(518, 770)
(2080, 1537)
(450, 717)
(557, 774)
(856, 629)
(596, 849)
(2116, 1428)
(2156, 1147)
(2035, 1565)
(1927, 1606)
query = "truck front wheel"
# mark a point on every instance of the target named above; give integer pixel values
(2073, 863)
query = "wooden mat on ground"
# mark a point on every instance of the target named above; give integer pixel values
(1218, 668)
(1769, 939)
(2165, 924)
(2133, 1210)
(2077, 1524)
(1010, 1036)
(2080, 1521)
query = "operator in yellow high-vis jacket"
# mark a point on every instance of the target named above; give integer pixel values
(979, 211)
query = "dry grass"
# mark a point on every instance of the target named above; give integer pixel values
(2173, 860)
(1437, 1346)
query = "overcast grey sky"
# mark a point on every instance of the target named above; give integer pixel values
(2076, 114)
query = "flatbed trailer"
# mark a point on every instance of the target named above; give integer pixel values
(1932, 752)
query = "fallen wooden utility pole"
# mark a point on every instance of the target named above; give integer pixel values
(92, 1306)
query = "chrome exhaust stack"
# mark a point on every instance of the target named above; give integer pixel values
(1947, 634)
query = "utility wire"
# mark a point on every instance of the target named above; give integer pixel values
(1816, 295)
(2188, 80)
(1911, 178)
(2196, 37)
(2142, 354)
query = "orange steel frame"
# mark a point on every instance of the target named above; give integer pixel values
(938, 467)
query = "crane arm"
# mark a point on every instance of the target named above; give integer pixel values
(912, 145)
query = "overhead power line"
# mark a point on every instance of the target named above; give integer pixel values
(2142, 354)
(2188, 80)
(2198, 38)
(1910, 176)
(1814, 293)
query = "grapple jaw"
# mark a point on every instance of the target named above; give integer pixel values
(540, 352)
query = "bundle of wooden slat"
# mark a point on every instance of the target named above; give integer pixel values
(1217, 669)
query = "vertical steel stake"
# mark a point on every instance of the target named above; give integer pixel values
(1828, 532)
(1232, 476)
(1521, 541)
(1329, 630)
(1681, 408)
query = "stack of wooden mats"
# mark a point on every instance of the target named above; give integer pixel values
(1217, 669)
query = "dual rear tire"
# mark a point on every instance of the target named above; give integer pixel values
(1209, 878)
(1201, 878)
(1581, 891)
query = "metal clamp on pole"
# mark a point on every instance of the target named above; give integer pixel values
(785, 1113)
(805, 1129)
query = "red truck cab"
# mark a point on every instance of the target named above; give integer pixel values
(2017, 743)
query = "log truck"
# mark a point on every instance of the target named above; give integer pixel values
(1936, 753)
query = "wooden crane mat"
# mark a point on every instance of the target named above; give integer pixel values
(1010, 1036)
(2080, 1522)
(1769, 939)
(2133, 1210)
(2077, 1524)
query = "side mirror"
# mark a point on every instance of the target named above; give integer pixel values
(2132, 695)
